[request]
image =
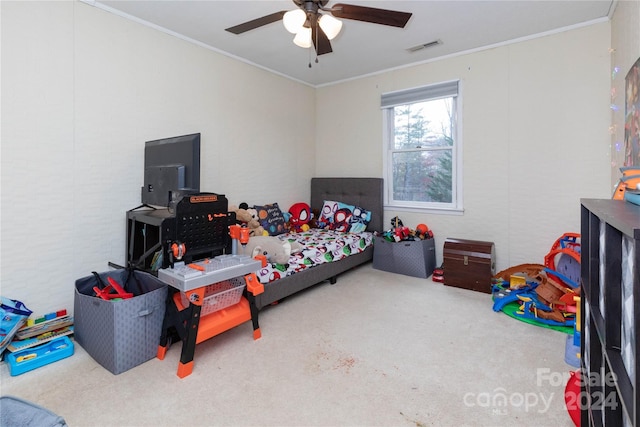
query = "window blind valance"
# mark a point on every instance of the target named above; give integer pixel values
(408, 96)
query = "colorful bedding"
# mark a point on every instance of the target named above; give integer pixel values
(319, 247)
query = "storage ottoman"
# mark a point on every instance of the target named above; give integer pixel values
(124, 333)
(412, 258)
(469, 264)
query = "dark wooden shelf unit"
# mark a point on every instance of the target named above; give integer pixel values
(610, 304)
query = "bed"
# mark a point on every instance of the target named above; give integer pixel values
(362, 192)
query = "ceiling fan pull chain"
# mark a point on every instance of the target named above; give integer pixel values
(315, 46)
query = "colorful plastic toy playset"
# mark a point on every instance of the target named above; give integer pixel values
(543, 294)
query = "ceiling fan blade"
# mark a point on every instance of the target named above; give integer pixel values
(320, 40)
(371, 14)
(255, 23)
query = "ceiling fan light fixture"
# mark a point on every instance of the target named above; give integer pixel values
(330, 25)
(303, 38)
(294, 20)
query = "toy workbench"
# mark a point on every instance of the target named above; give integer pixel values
(209, 297)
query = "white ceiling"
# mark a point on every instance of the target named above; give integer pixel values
(361, 48)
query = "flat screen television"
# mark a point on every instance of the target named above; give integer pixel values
(171, 169)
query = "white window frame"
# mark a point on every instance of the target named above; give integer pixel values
(425, 93)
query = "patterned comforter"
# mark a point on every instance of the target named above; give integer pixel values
(319, 247)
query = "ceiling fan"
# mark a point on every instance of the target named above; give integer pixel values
(313, 27)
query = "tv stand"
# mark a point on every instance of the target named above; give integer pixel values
(146, 231)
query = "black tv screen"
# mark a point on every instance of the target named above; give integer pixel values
(171, 169)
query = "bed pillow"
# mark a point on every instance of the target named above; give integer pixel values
(329, 209)
(271, 218)
(344, 217)
(359, 220)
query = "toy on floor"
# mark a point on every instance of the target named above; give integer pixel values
(438, 275)
(541, 294)
(572, 344)
(36, 357)
(572, 396)
(564, 258)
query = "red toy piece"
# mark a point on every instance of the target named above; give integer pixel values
(113, 286)
(401, 233)
(572, 396)
(438, 275)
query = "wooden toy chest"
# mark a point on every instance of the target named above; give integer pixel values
(469, 264)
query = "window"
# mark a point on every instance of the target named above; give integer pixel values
(422, 149)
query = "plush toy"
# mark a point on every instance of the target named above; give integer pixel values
(251, 211)
(274, 249)
(300, 215)
(245, 218)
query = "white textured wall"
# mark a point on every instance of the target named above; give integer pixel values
(625, 45)
(535, 137)
(82, 90)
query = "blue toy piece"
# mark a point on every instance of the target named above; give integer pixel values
(529, 309)
(530, 303)
(504, 295)
(562, 277)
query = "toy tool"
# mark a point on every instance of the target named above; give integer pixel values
(113, 286)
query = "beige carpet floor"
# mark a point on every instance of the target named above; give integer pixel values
(375, 349)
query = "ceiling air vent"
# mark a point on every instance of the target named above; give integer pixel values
(424, 46)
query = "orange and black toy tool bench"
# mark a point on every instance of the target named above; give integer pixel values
(191, 328)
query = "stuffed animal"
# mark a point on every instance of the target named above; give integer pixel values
(276, 250)
(300, 215)
(244, 217)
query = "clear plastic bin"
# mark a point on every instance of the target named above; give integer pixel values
(220, 295)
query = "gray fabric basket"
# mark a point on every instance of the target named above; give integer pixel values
(412, 258)
(120, 334)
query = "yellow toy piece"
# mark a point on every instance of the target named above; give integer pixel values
(517, 282)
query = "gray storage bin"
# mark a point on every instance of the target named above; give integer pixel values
(120, 334)
(412, 258)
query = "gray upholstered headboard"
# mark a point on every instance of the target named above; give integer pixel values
(363, 192)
